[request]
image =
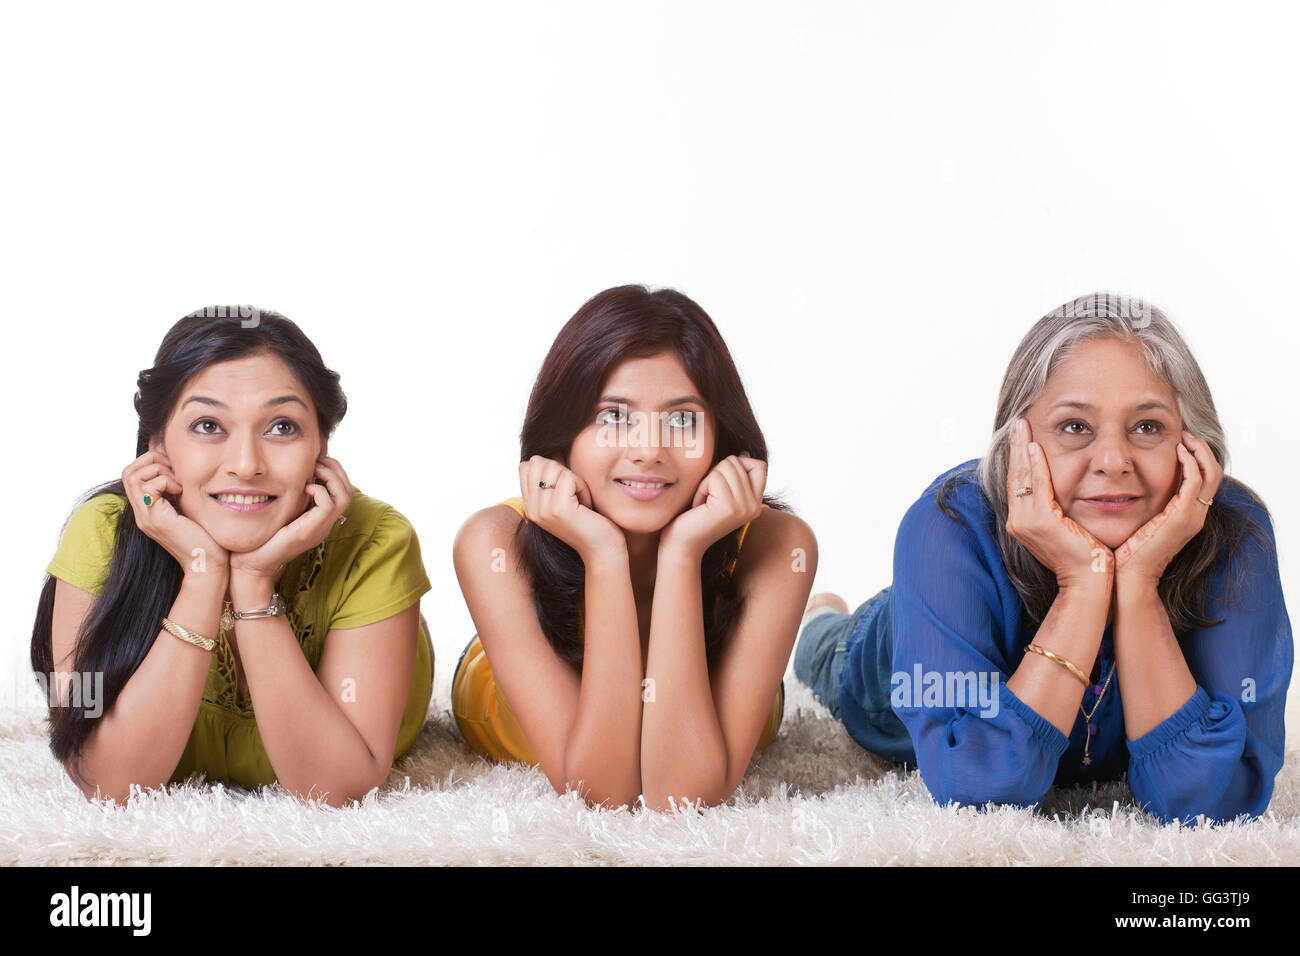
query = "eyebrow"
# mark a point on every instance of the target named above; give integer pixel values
(271, 403)
(1084, 406)
(684, 400)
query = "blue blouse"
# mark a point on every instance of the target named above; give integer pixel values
(924, 679)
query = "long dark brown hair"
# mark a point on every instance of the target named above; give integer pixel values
(613, 326)
(143, 578)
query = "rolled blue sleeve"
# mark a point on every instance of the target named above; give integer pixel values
(1218, 754)
(955, 612)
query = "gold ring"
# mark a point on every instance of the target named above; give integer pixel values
(1204, 502)
(1021, 492)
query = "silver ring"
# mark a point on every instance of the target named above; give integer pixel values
(1021, 492)
(545, 485)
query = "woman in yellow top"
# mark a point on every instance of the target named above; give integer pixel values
(250, 614)
(639, 657)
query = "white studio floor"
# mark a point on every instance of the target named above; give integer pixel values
(814, 797)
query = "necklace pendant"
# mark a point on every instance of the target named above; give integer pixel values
(1087, 761)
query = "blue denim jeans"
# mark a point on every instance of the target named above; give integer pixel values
(819, 654)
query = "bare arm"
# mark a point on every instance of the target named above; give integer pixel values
(1072, 629)
(141, 739)
(1150, 664)
(329, 733)
(320, 742)
(1152, 670)
(1085, 574)
(584, 728)
(684, 752)
(602, 751)
(700, 731)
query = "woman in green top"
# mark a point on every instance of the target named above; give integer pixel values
(234, 570)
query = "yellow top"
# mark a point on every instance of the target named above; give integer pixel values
(367, 569)
(489, 725)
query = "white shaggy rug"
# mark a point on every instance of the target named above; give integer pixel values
(813, 798)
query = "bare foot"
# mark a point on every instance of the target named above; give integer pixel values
(827, 599)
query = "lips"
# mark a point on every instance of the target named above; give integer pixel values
(643, 480)
(243, 500)
(643, 487)
(1112, 502)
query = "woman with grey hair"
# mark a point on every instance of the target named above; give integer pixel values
(1093, 597)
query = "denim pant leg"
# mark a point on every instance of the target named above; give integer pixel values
(819, 648)
(819, 654)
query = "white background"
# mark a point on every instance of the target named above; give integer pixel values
(873, 200)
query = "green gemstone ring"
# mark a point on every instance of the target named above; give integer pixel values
(148, 500)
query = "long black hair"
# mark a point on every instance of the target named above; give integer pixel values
(143, 578)
(612, 326)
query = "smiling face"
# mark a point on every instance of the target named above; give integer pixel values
(1109, 427)
(649, 445)
(243, 442)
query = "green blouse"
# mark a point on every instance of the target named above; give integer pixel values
(366, 570)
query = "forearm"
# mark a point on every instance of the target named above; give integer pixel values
(602, 754)
(1151, 667)
(1072, 629)
(312, 746)
(141, 739)
(683, 751)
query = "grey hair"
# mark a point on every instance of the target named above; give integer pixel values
(1045, 346)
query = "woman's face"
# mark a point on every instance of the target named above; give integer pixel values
(246, 428)
(649, 444)
(1109, 428)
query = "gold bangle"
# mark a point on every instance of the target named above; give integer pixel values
(1062, 661)
(190, 637)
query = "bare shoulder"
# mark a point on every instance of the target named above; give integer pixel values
(486, 529)
(777, 530)
(71, 605)
(774, 576)
(776, 542)
(497, 591)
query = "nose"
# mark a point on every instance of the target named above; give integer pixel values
(1111, 453)
(643, 443)
(244, 457)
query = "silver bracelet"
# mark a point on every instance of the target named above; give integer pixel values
(229, 616)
